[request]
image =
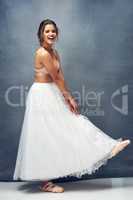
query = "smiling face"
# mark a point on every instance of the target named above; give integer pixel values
(49, 34)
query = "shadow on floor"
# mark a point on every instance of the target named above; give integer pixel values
(33, 187)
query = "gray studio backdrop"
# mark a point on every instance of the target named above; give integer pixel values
(96, 49)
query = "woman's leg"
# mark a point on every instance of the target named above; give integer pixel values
(49, 186)
(119, 147)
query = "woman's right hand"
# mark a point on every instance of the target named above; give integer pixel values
(72, 105)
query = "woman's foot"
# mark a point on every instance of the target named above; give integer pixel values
(119, 147)
(51, 187)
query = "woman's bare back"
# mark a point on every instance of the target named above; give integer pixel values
(41, 74)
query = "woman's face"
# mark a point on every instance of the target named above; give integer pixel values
(50, 34)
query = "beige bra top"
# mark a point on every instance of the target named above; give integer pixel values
(42, 71)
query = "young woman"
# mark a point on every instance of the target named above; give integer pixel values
(56, 140)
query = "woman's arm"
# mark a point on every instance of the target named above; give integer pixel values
(62, 76)
(70, 100)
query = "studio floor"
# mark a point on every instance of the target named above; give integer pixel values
(96, 189)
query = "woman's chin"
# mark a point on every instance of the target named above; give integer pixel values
(51, 42)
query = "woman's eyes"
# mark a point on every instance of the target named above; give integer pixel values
(49, 31)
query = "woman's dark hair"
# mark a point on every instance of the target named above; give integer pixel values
(42, 27)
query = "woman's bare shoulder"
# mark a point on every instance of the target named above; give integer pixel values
(41, 55)
(41, 52)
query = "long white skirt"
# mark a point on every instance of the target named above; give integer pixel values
(55, 142)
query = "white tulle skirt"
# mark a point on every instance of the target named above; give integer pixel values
(55, 142)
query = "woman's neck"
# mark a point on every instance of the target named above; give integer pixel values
(48, 47)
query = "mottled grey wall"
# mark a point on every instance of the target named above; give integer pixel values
(96, 47)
